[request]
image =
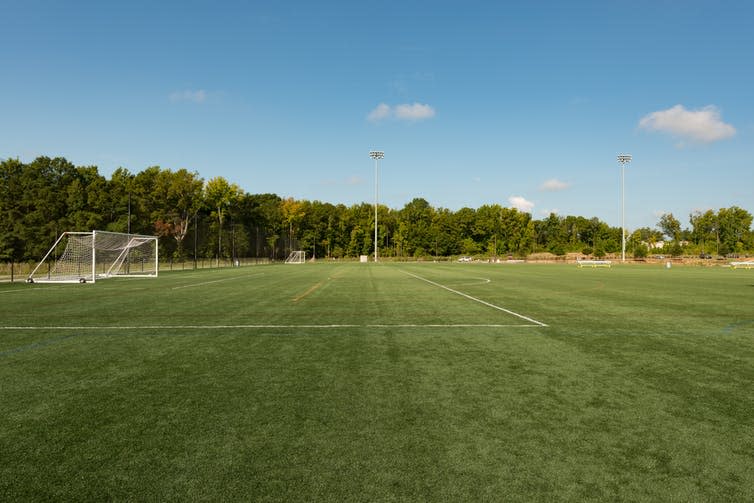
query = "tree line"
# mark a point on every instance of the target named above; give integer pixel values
(216, 219)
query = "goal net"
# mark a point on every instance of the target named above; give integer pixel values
(80, 257)
(296, 257)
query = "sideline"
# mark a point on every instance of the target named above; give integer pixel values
(259, 326)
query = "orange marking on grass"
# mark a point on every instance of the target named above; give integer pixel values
(307, 293)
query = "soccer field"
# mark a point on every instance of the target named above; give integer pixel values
(381, 382)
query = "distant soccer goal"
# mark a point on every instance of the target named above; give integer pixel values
(81, 257)
(296, 257)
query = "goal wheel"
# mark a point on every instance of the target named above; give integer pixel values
(82, 280)
(30, 280)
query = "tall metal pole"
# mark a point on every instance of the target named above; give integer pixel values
(623, 159)
(376, 155)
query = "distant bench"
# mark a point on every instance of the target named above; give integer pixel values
(742, 265)
(594, 263)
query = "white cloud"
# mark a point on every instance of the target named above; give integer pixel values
(554, 185)
(198, 96)
(405, 111)
(703, 125)
(382, 111)
(521, 204)
(414, 112)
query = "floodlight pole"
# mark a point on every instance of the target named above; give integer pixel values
(376, 155)
(623, 159)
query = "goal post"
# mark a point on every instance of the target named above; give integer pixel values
(81, 257)
(296, 257)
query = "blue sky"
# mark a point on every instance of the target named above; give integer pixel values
(520, 103)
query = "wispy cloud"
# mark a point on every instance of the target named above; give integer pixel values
(704, 125)
(414, 112)
(554, 185)
(405, 112)
(189, 96)
(521, 204)
(381, 112)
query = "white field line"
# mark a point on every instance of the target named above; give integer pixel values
(493, 306)
(260, 326)
(30, 289)
(483, 281)
(191, 285)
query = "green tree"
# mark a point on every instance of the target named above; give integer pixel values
(734, 228)
(175, 199)
(118, 191)
(416, 219)
(550, 233)
(293, 212)
(487, 228)
(445, 234)
(704, 229)
(517, 231)
(261, 214)
(86, 200)
(11, 246)
(219, 194)
(642, 240)
(670, 226)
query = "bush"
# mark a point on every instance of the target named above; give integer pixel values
(558, 249)
(675, 249)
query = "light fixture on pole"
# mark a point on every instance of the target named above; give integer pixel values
(623, 159)
(376, 155)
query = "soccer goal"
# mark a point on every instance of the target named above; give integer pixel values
(296, 257)
(81, 257)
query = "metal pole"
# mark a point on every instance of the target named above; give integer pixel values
(376, 202)
(623, 159)
(376, 155)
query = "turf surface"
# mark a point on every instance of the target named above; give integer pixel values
(381, 382)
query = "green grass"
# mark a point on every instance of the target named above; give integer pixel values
(372, 382)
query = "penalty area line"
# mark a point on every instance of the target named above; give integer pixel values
(483, 302)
